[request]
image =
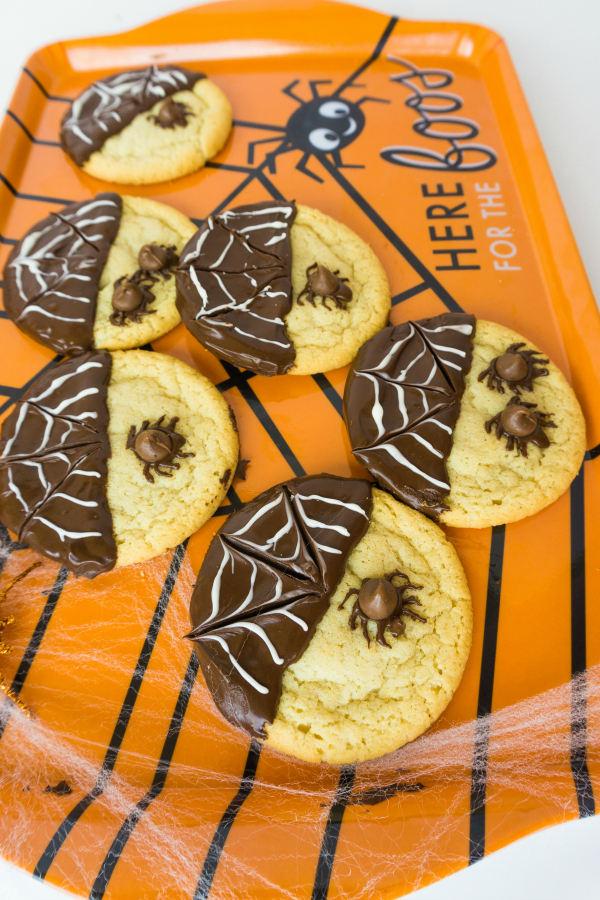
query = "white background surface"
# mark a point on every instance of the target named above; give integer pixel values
(555, 47)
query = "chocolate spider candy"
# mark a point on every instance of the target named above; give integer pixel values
(274, 287)
(97, 274)
(281, 654)
(146, 125)
(428, 414)
(112, 458)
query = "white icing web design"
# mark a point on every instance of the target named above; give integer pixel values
(52, 276)
(103, 102)
(267, 577)
(402, 402)
(235, 276)
(53, 465)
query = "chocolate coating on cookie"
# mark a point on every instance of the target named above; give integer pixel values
(53, 466)
(265, 585)
(515, 368)
(402, 402)
(52, 274)
(234, 286)
(107, 106)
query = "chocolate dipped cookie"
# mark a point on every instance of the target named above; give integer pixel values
(98, 274)
(463, 420)
(112, 458)
(146, 125)
(277, 287)
(331, 621)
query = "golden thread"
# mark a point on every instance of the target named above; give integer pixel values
(12, 696)
(6, 648)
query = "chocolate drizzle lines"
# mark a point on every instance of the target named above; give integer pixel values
(401, 404)
(234, 286)
(264, 586)
(53, 467)
(52, 274)
(107, 106)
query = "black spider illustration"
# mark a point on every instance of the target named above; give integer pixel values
(322, 126)
(379, 600)
(157, 445)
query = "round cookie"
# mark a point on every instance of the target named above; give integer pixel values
(63, 278)
(345, 701)
(275, 288)
(112, 458)
(465, 421)
(147, 125)
(280, 657)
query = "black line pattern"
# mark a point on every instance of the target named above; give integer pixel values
(158, 782)
(330, 392)
(331, 834)
(411, 292)
(37, 197)
(241, 382)
(486, 693)
(220, 836)
(110, 759)
(594, 453)
(24, 128)
(389, 233)
(579, 766)
(43, 89)
(35, 640)
(15, 394)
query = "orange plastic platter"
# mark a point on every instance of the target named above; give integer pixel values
(168, 801)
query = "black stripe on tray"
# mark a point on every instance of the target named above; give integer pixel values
(330, 392)
(43, 89)
(224, 827)
(579, 767)
(38, 197)
(7, 546)
(17, 393)
(486, 693)
(158, 782)
(25, 129)
(594, 453)
(388, 232)
(411, 292)
(112, 752)
(36, 638)
(373, 57)
(331, 834)
(239, 380)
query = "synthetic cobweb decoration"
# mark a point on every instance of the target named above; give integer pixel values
(525, 749)
(6, 648)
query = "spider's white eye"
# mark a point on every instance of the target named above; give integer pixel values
(324, 139)
(334, 109)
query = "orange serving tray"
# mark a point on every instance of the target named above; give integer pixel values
(448, 182)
